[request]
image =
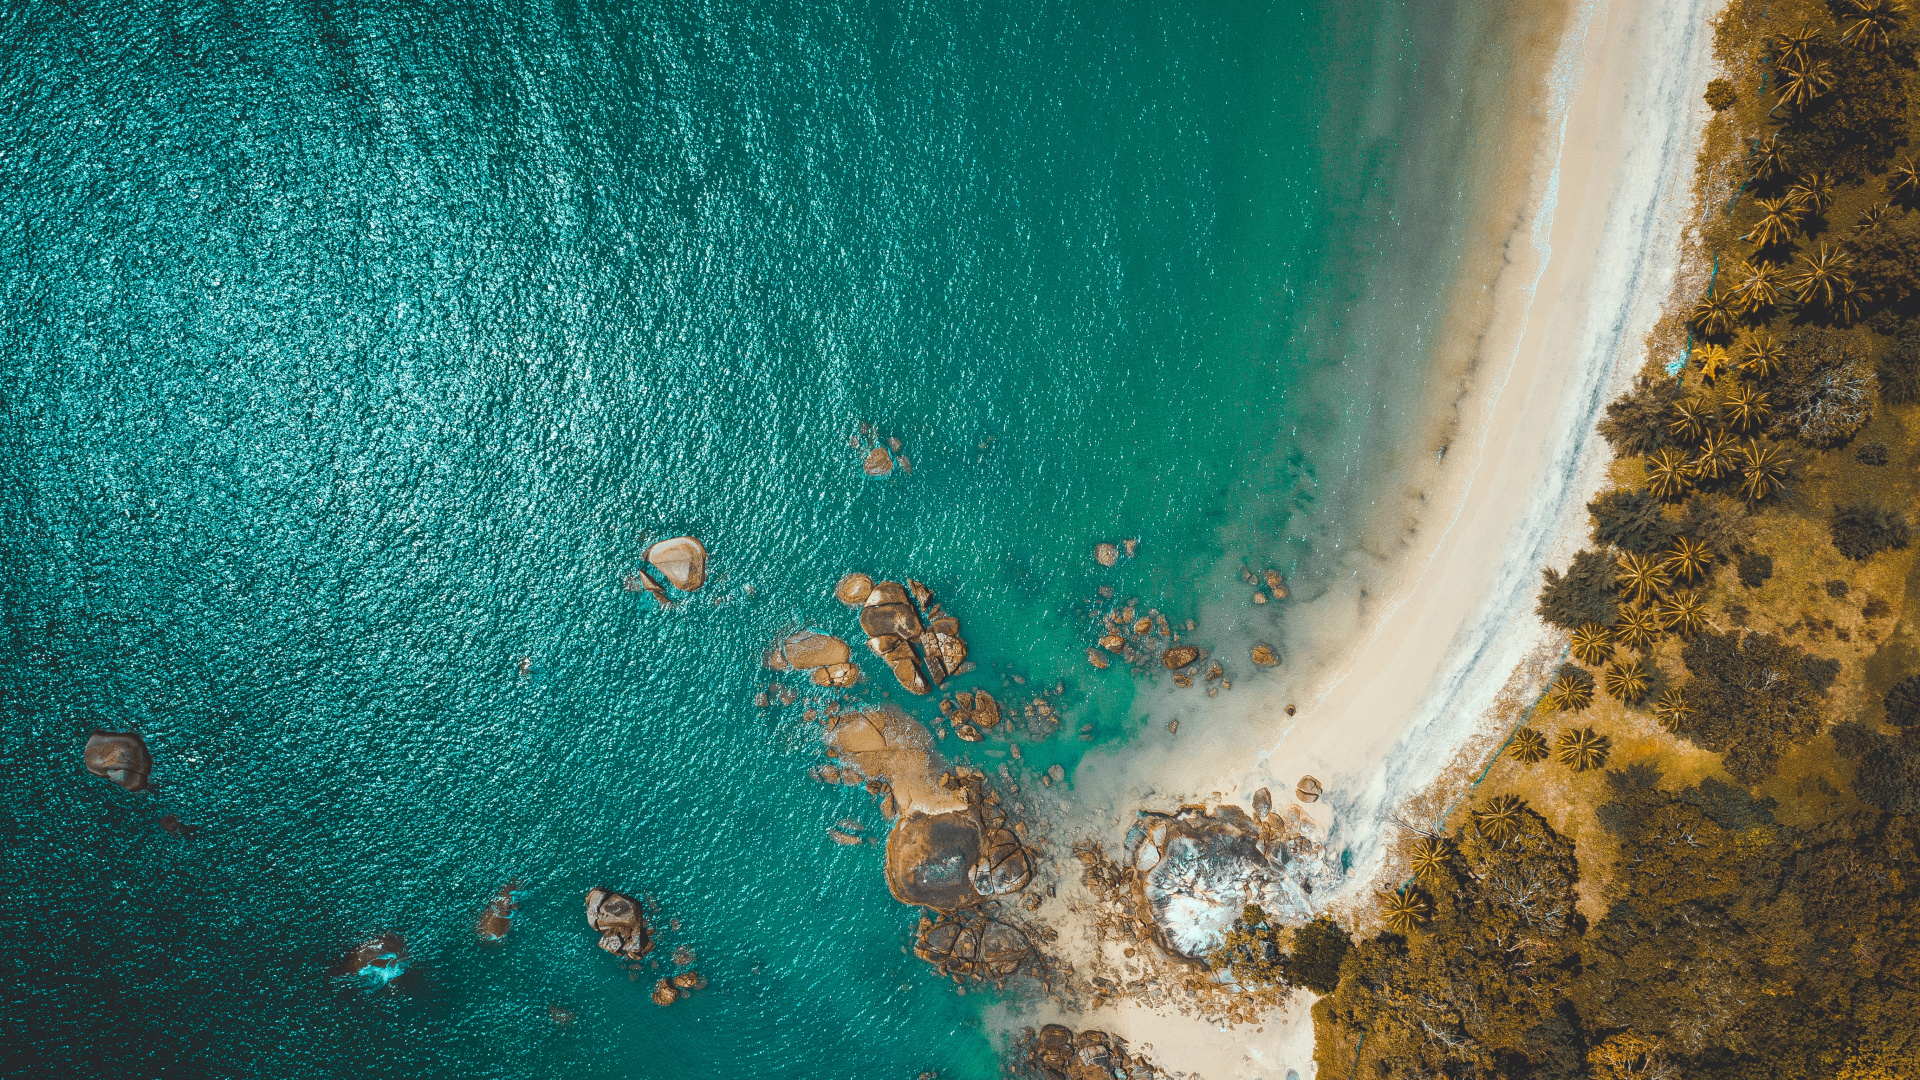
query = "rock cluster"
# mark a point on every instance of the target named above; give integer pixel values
(119, 756)
(828, 657)
(969, 947)
(669, 990)
(954, 860)
(899, 635)
(497, 918)
(1194, 870)
(622, 925)
(382, 960)
(1059, 1053)
(1139, 639)
(970, 713)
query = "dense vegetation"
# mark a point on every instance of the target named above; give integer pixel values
(1756, 919)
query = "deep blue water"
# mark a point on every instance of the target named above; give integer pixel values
(354, 351)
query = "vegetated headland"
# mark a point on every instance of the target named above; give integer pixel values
(1696, 854)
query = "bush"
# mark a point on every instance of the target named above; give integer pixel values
(1886, 258)
(1854, 129)
(1861, 529)
(1824, 392)
(1583, 595)
(1836, 588)
(1708, 522)
(1755, 568)
(1751, 697)
(1720, 95)
(1318, 948)
(1872, 453)
(1903, 702)
(1631, 521)
(1899, 374)
(1636, 421)
(1886, 769)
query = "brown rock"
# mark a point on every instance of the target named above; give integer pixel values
(690, 980)
(1113, 643)
(681, 560)
(665, 993)
(986, 711)
(1265, 656)
(854, 589)
(119, 756)
(1308, 790)
(966, 731)
(1259, 598)
(807, 649)
(921, 594)
(842, 676)
(839, 837)
(640, 579)
(1097, 658)
(497, 918)
(878, 462)
(1142, 625)
(1106, 554)
(1276, 584)
(623, 927)
(1262, 803)
(1179, 656)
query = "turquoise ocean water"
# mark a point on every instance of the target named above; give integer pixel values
(354, 351)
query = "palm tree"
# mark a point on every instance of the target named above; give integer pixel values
(1581, 749)
(1429, 857)
(1814, 192)
(1822, 277)
(1685, 612)
(1637, 628)
(1801, 83)
(1672, 708)
(1568, 694)
(1713, 315)
(1779, 222)
(1769, 158)
(1903, 182)
(1763, 470)
(1404, 910)
(1715, 458)
(1592, 644)
(1690, 419)
(1529, 745)
(1872, 24)
(1761, 354)
(1759, 287)
(1688, 561)
(1873, 217)
(1500, 818)
(1745, 408)
(1641, 576)
(1668, 473)
(1714, 362)
(1626, 681)
(1794, 44)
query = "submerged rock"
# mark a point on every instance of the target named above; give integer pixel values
(641, 580)
(681, 560)
(379, 961)
(878, 462)
(119, 756)
(622, 925)
(497, 918)
(174, 826)
(1106, 554)
(1097, 659)
(806, 650)
(1179, 656)
(1265, 656)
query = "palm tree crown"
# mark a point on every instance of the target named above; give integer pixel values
(1669, 474)
(1429, 857)
(1814, 192)
(1637, 628)
(1685, 612)
(1626, 681)
(1821, 278)
(1872, 24)
(1568, 694)
(1641, 576)
(1763, 470)
(1745, 408)
(1688, 561)
(1529, 745)
(1769, 158)
(1873, 217)
(1672, 708)
(1761, 354)
(1581, 749)
(1759, 286)
(1404, 910)
(1500, 818)
(1592, 644)
(1713, 315)
(1715, 458)
(1779, 222)
(1795, 43)
(1690, 419)
(1904, 181)
(1801, 83)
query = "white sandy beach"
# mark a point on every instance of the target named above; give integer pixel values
(1403, 666)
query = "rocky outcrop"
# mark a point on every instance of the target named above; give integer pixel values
(1308, 790)
(1265, 655)
(1179, 656)
(1106, 554)
(665, 993)
(681, 560)
(1059, 1053)
(969, 947)
(806, 650)
(1196, 869)
(854, 589)
(956, 859)
(497, 918)
(622, 925)
(878, 462)
(119, 756)
(379, 961)
(892, 625)
(640, 580)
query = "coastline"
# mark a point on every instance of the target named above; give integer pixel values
(1394, 672)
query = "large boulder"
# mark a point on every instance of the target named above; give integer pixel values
(1179, 656)
(682, 561)
(807, 649)
(930, 859)
(621, 922)
(854, 589)
(878, 462)
(120, 756)
(971, 947)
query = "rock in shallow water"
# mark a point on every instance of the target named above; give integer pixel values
(854, 589)
(119, 756)
(878, 462)
(682, 561)
(623, 927)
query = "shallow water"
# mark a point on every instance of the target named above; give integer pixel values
(353, 352)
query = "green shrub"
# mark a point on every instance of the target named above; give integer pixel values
(1751, 697)
(1872, 453)
(1861, 529)
(1583, 594)
(1755, 568)
(1854, 129)
(1636, 421)
(1318, 948)
(1903, 702)
(1630, 521)
(1720, 95)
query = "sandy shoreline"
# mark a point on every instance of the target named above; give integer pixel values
(1584, 236)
